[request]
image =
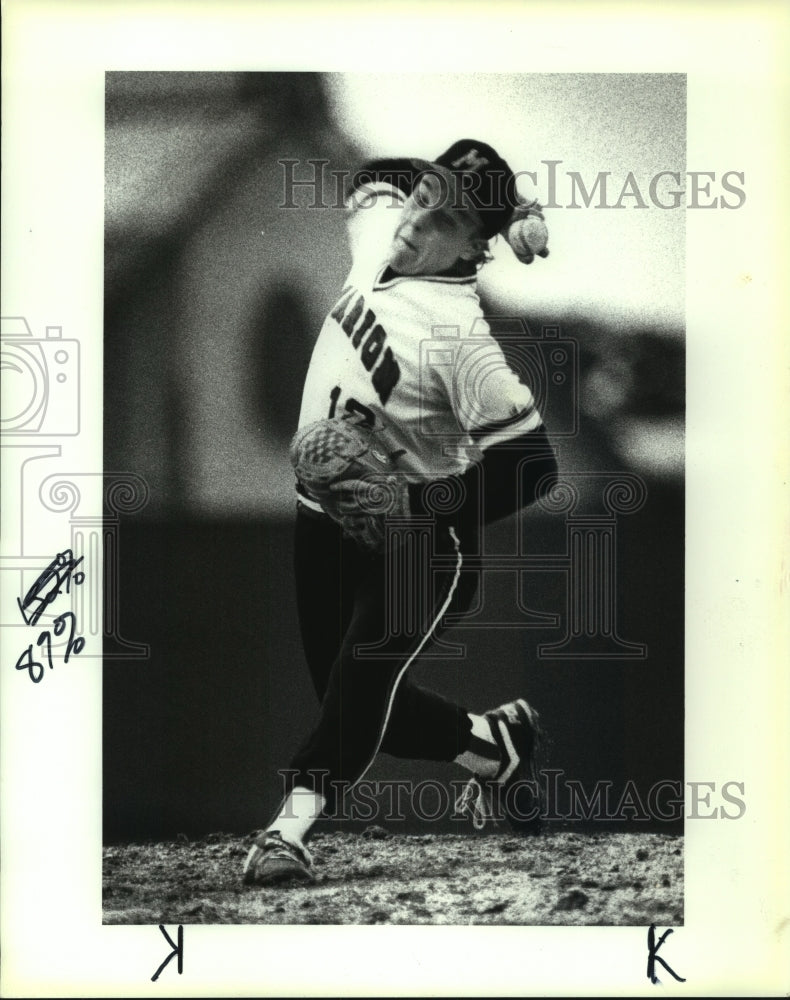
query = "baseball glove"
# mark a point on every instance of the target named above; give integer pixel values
(348, 468)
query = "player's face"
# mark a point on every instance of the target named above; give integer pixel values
(434, 229)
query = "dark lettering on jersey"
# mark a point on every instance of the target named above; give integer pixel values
(386, 376)
(340, 308)
(370, 337)
(351, 318)
(363, 328)
(373, 347)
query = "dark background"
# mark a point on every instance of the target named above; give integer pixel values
(213, 298)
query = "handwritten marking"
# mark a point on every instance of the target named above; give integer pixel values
(178, 951)
(653, 956)
(55, 579)
(56, 576)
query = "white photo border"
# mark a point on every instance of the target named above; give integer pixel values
(55, 56)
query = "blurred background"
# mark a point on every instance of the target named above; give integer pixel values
(214, 296)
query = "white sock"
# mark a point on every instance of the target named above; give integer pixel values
(482, 757)
(299, 811)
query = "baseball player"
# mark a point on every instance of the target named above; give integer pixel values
(406, 357)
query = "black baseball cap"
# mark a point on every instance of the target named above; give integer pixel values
(485, 178)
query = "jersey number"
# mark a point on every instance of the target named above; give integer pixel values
(352, 406)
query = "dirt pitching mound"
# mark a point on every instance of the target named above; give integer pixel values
(379, 878)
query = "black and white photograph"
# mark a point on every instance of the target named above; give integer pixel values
(458, 699)
(394, 509)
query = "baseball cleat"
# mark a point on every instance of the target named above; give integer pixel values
(272, 861)
(514, 793)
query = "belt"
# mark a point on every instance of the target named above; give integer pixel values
(311, 509)
(311, 504)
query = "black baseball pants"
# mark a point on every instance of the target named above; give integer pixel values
(363, 623)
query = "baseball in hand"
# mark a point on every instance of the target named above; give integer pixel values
(528, 237)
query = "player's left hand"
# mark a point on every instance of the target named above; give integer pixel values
(349, 468)
(363, 505)
(376, 494)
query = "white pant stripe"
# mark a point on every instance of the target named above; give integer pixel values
(416, 653)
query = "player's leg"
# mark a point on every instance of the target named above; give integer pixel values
(499, 747)
(324, 572)
(328, 567)
(415, 731)
(412, 731)
(366, 677)
(325, 568)
(371, 704)
(336, 583)
(365, 706)
(359, 696)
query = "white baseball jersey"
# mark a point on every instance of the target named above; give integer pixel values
(413, 354)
